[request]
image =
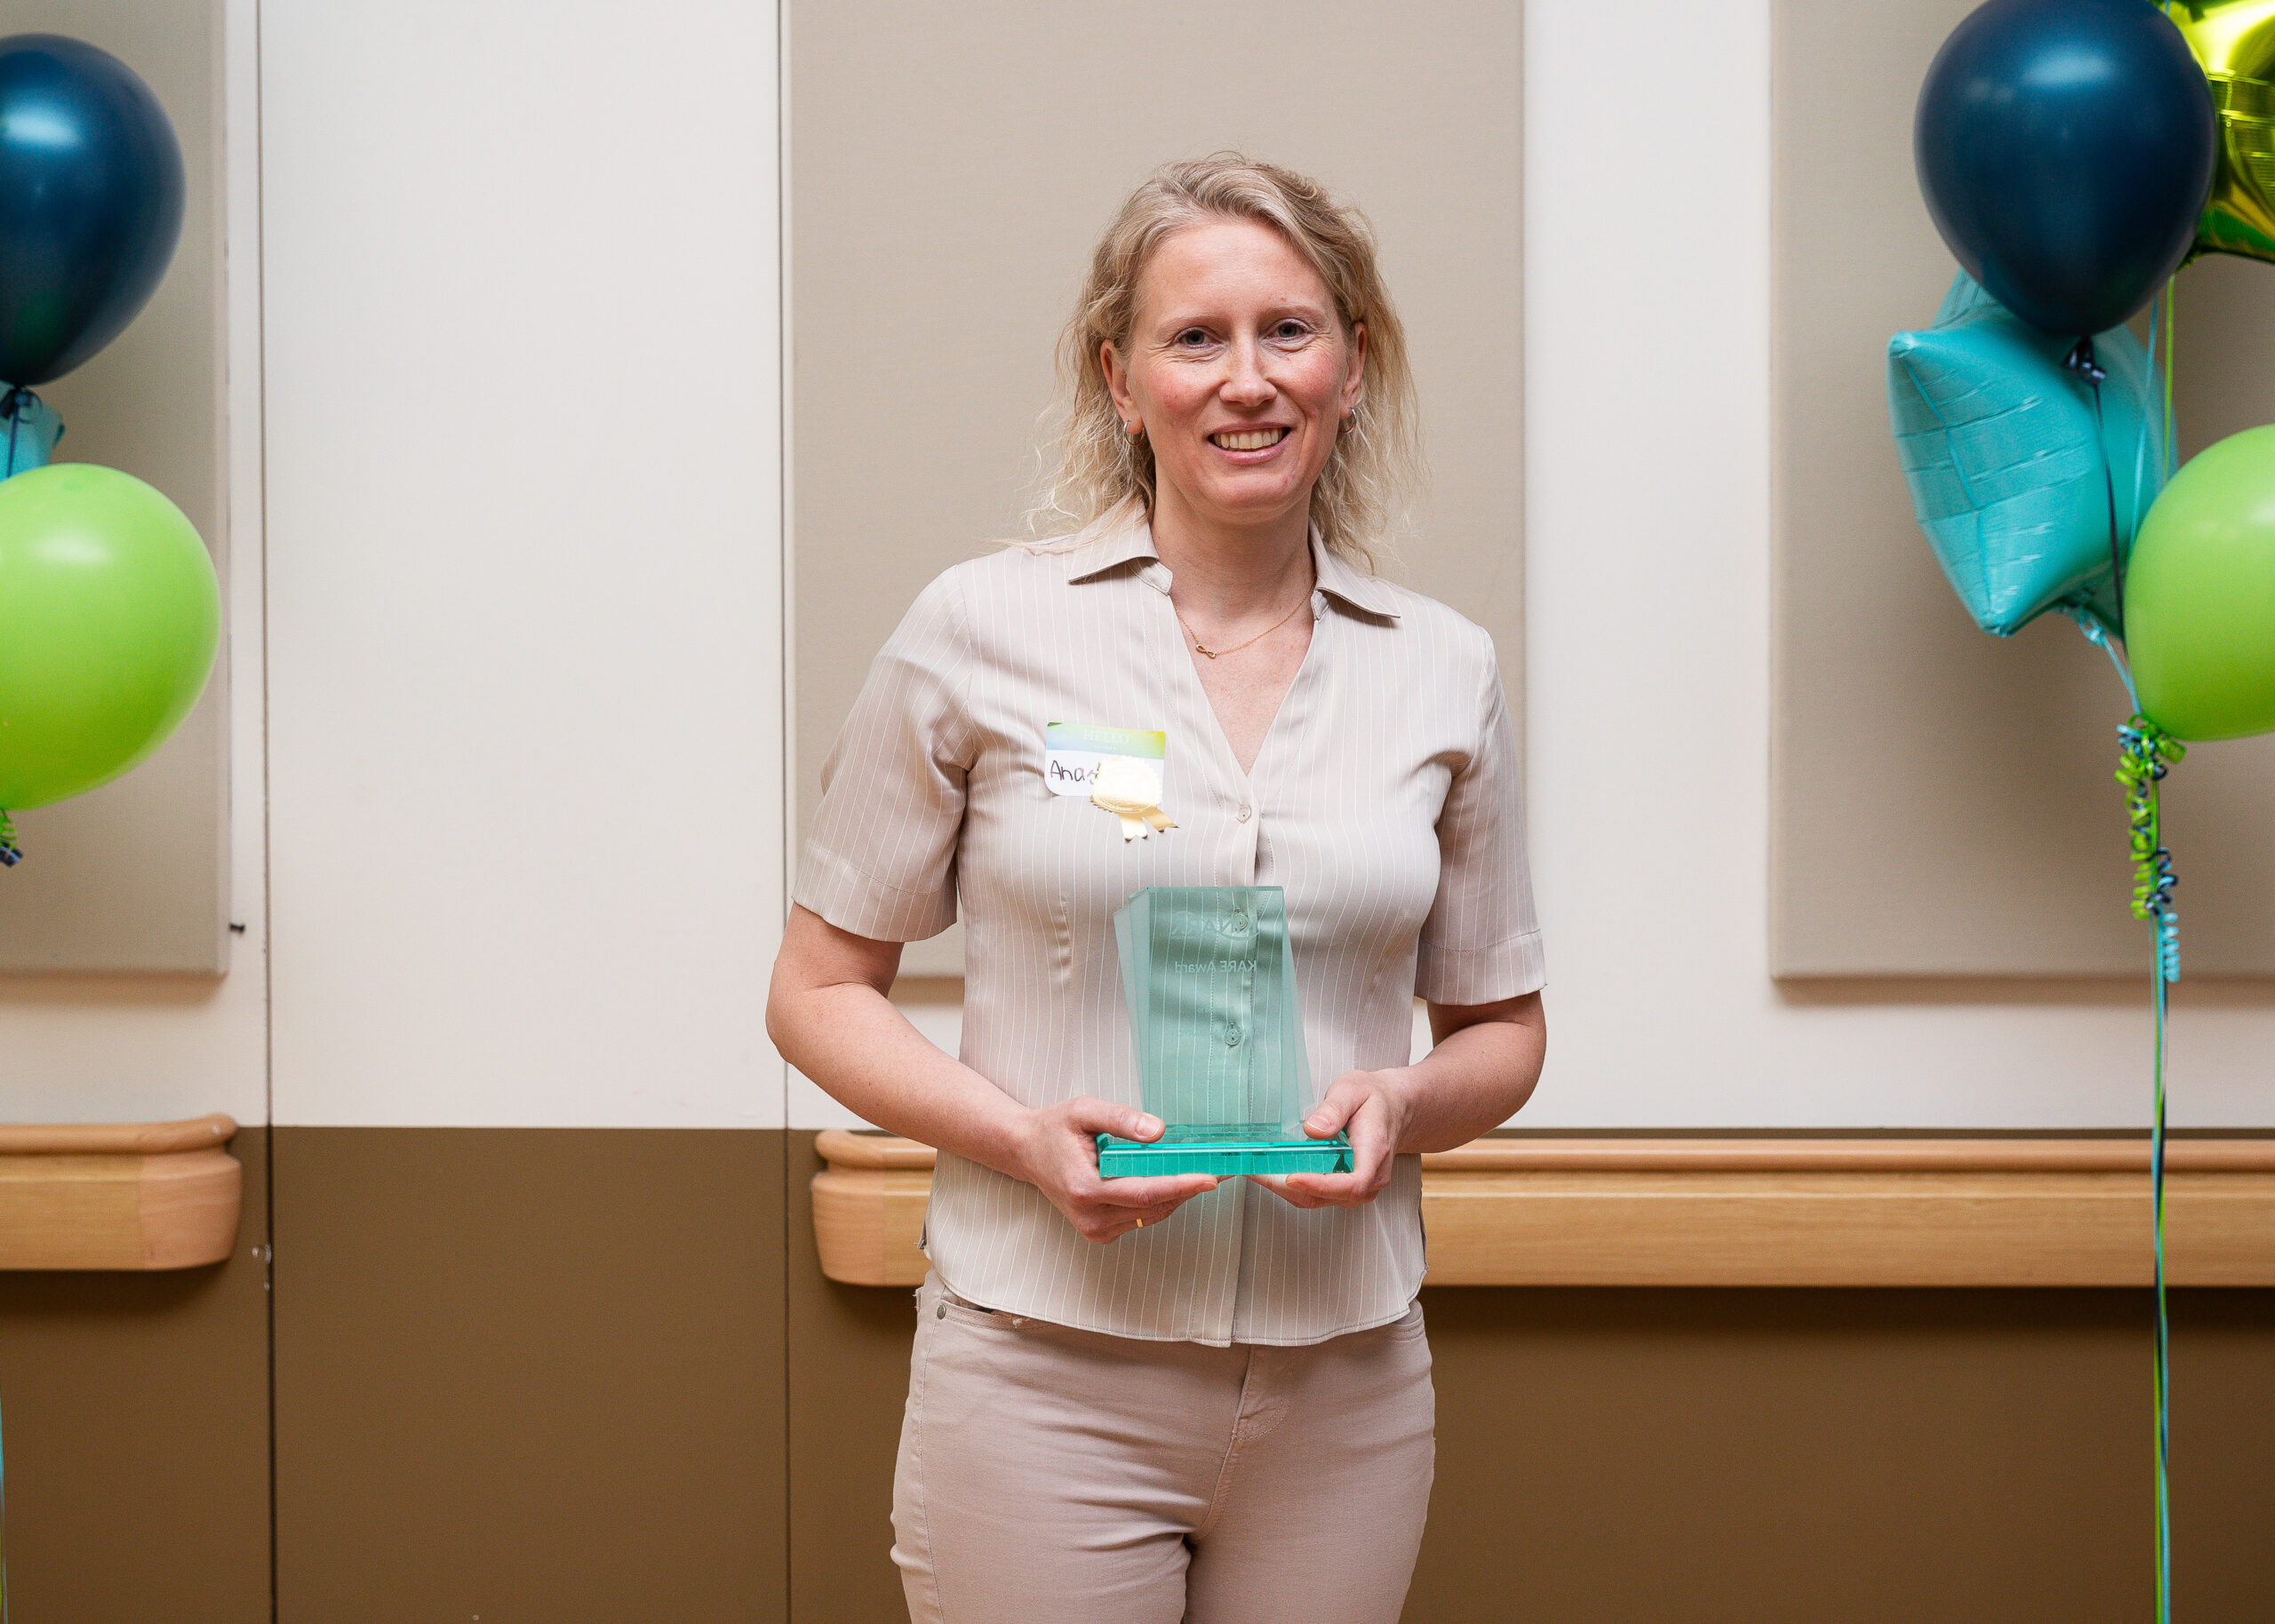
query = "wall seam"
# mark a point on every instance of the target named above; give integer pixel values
(258, 261)
(786, 739)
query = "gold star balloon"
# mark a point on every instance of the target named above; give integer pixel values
(2234, 43)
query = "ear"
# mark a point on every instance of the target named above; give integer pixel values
(1353, 385)
(1117, 382)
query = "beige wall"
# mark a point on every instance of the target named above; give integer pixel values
(950, 168)
(1943, 803)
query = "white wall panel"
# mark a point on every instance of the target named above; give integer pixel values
(523, 484)
(1648, 595)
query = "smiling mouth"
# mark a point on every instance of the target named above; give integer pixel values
(1248, 440)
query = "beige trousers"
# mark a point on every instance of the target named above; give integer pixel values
(1050, 1474)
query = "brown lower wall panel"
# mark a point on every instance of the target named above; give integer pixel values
(849, 1377)
(1646, 1456)
(1873, 1457)
(563, 1375)
(528, 1376)
(136, 1414)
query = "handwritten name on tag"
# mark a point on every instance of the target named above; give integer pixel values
(1073, 752)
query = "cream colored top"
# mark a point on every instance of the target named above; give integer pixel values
(1384, 800)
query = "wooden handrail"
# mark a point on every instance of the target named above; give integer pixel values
(1731, 1212)
(119, 1195)
(1704, 1154)
(843, 1149)
(116, 1138)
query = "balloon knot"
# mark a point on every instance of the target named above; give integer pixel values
(9, 855)
(2080, 359)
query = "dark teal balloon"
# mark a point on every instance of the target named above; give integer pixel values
(91, 199)
(2066, 148)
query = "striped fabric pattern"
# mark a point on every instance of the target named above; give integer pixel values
(1385, 799)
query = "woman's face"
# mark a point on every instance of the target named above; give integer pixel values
(1239, 370)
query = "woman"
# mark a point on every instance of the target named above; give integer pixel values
(1178, 1397)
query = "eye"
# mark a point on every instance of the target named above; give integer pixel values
(1191, 338)
(1288, 327)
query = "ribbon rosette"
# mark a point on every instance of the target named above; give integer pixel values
(1126, 787)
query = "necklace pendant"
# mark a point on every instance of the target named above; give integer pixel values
(1197, 649)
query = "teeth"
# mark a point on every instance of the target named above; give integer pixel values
(1254, 441)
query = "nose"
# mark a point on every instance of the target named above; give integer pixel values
(1245, 384)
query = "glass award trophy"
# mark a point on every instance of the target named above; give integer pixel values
(1209, 978)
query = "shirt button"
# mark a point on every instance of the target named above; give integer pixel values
(1232, 1036)
(1245, 810)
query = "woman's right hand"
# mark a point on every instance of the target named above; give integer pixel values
(1058, 1152)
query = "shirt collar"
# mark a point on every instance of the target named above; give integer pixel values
(1113, 545)
(1127, 543)
(1340, 578)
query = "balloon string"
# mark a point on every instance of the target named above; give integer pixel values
(2081, 361)
(2147, 756)
(2172, 343)
(4, 1537)
(2146, 752)
(2162, 1373)
(2097, 635)
(2141, 440)
(9, 855)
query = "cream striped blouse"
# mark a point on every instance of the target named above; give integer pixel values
(1385, 799)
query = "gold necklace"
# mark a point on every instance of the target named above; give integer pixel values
(1214, 653)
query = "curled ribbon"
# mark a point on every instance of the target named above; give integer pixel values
(2148, 753)
(1126, 787)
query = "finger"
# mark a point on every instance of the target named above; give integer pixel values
(1370, 1152)
(1337, 1107)
(1116, 1218)
(1370, 1164)
(1277, 1183)
(1172, 1192)
(1331, 1188)
(1151, 1216)
(1093, 1116)
(1121, 1222)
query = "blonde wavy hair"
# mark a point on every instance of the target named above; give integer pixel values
(1096, 469)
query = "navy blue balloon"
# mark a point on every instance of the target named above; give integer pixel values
(90, 195)
(2066, 147)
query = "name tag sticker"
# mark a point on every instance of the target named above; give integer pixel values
(1073, 752)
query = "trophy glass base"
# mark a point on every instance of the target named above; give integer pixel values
(1225, 1150)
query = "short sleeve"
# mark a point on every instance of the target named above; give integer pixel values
(1481, 941)
(880, 858)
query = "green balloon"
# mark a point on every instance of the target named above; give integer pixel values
(109, 617)
(2199, 594)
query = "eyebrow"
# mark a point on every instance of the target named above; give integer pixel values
(1177, 321)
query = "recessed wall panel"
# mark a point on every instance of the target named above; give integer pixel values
(134, 876)
(1942, 800)
(951, 167)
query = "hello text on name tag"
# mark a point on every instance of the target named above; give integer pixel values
(1073, 752)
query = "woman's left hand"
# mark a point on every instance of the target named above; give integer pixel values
(1373, 1109)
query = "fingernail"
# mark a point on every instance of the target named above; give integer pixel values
(1149, 1125)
